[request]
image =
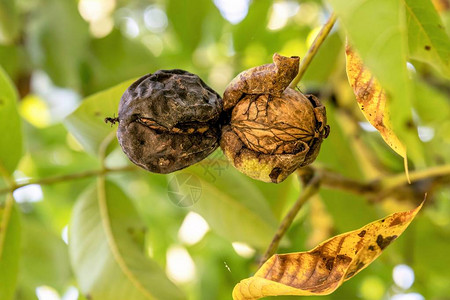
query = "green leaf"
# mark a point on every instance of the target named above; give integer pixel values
(108, 261)
(87, 122)
(9, 247)
(232, 205)
(427, 38)
(11, 137)
(45, 259)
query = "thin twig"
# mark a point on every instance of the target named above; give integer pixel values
(397, 180)
(337, 181)
(321, 36)
(309, 190)
(379, 185)
(66, 177)
(103, 148)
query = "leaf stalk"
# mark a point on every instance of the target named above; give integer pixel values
(318, 41)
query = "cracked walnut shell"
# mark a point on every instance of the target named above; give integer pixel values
(273, 129)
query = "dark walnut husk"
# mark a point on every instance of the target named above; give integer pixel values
(273, 129)
(169, 120)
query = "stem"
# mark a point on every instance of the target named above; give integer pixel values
(66, 177)
(102, 151)
(310, 189)
(328, 179)
(5, 222)
(321, 36)
(339, 182)
(400, 179)
(379, 185)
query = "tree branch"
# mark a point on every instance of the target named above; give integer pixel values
(66, 177)
(380, 185)
(397, 180)
(337, 181)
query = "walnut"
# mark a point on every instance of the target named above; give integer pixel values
(273, 129)
(169, 120)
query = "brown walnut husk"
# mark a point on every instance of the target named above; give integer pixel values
(169, 120)
(274, 129)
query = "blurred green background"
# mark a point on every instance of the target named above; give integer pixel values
(58, 52)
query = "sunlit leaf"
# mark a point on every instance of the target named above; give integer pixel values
(9, 247)
(87, 122)
(108, 260)
(11, 136)
(373, 101)
(427, 38)
(377, 30)
(323, 269)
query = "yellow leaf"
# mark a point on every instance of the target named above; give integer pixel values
(441, 5)
(371, 98)
(323, 269)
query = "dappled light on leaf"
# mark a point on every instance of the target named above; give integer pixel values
(323, 269)
(372, 100)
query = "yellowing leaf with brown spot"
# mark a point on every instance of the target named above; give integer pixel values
(441, 5)
(372, 100)
(323, 269)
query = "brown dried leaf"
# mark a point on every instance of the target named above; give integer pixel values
(372, 101)
(323, 269)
